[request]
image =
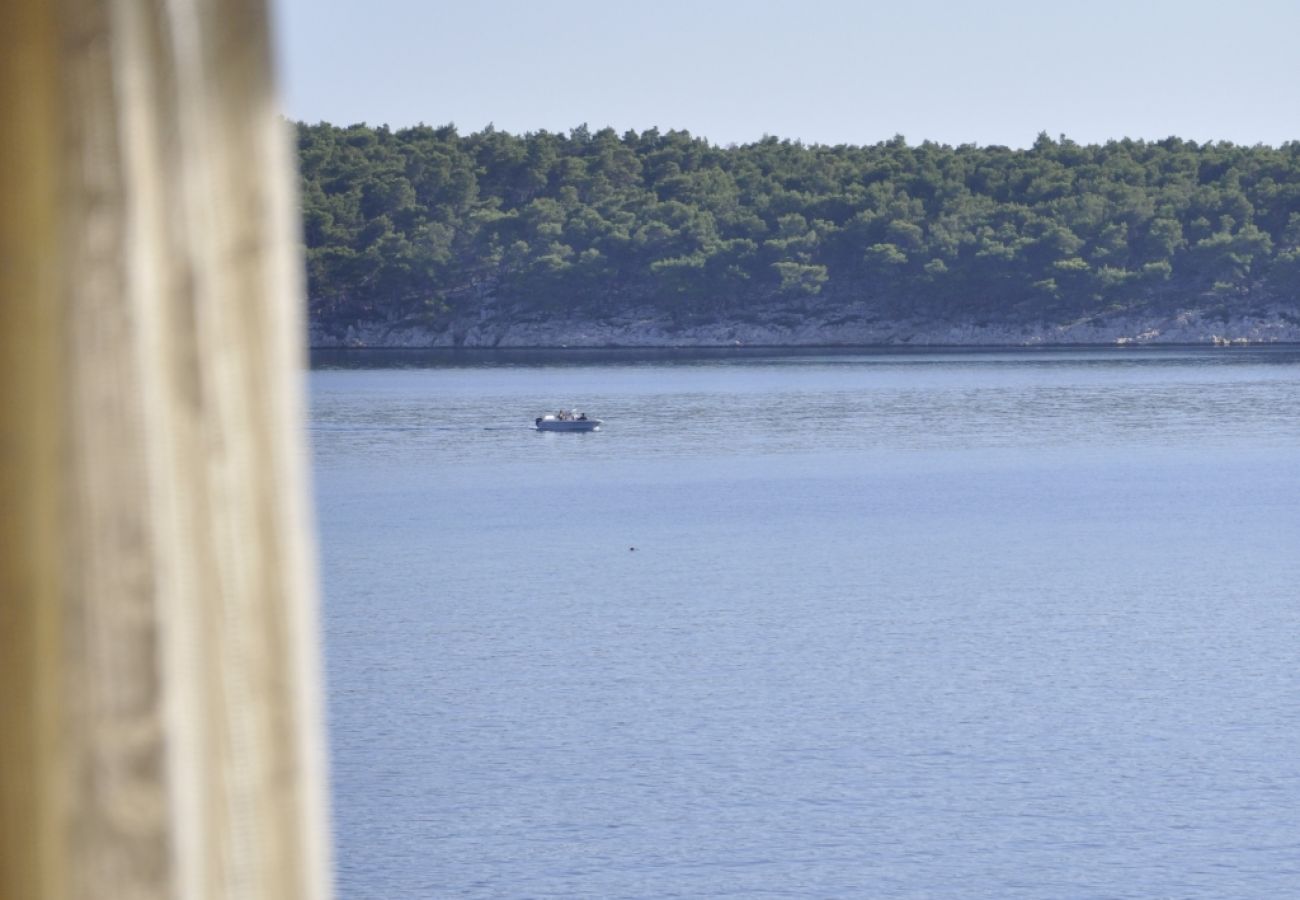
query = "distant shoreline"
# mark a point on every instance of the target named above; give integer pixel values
(833, 326)
(900, 348)
(423, 237)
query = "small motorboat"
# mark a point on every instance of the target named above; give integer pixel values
(570, 420)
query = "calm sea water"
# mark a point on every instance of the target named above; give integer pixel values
(1014, 624)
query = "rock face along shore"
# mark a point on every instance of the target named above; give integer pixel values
(781, 328)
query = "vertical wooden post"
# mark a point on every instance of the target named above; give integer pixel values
(161, 730)
(31, 388)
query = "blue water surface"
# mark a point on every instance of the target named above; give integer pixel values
(978, 624)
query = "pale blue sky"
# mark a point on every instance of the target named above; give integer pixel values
(821, 71)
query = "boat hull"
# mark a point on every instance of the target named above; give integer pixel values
(568, 424)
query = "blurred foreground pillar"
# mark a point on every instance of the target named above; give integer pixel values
(160, 730)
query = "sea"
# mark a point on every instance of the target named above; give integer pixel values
(812, 623)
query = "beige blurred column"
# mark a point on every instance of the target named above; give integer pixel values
(160, 732)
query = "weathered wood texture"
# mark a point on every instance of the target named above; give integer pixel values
(160, 733)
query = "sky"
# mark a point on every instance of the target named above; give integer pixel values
(818, 71)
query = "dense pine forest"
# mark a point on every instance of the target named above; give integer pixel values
(425, 224)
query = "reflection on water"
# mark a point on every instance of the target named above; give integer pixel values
(1109, 358)
(762, 403)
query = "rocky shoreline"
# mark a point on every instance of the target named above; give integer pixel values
(651, 328)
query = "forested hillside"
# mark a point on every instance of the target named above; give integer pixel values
(424, 224)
